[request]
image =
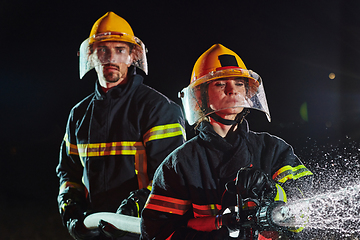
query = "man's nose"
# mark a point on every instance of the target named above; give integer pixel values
(111, 56)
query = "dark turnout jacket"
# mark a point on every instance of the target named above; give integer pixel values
(190, 183)
(114, 142)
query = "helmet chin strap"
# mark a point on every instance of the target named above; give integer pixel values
(222, 120)
(238, 119)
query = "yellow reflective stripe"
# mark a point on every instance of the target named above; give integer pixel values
(71, 148)
(296, 230)
(138, 209)
(103, 149)
(70, 185)
(136, 149)
(164, 131)
(107, 149)
(280, 194)
(149, 187)
(288, 172)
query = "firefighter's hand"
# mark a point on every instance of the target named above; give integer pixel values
(254, 183)
(78, 230)
(109, 230)
(134, 204)
(228, 220)
(73, 215)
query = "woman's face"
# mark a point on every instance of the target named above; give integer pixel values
(226, 95)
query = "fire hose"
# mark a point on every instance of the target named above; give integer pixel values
(267, 215)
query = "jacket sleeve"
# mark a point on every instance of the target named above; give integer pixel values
(165, 131)
(288, 171)
(169, 207)
(70, 167)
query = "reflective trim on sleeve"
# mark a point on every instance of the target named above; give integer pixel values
(167, 204)
(70, 148)
(206, 210)
(149, 187)
(296, 230)
(288, 172)
(164, 131)
(70, 185)
(280, 194)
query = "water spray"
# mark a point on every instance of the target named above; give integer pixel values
(338, 211)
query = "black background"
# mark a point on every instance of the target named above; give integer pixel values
(293, 45)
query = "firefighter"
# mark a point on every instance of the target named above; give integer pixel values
(191, 184)
(116, 137)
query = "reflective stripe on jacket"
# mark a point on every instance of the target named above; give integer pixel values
(115, 141)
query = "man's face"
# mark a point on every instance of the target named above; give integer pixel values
(225, 94)
(114, 59)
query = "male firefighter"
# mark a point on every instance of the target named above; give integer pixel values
(223, 165)
(116, 137)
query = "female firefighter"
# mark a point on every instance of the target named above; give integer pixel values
(191, 187)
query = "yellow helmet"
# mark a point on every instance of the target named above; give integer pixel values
(215, 63)
(111, 27)
(221, 62)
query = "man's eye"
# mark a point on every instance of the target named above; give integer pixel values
(239, 84)
(121, 50)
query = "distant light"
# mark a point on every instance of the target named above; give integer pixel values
(304, 112)
(332, 76)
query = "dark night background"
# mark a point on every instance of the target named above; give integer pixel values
(293, 45)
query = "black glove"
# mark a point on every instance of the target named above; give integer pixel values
(134, 204)
(253, 183)
(72, 207)
(78, 230)
(228, 220)
(110, 231)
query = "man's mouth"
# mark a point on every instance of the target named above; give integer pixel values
(111, 67)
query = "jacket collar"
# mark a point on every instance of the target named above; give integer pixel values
(134, 80)
(208, 134)
(235, 155)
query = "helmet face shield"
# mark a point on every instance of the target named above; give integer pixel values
(198, 100)
(94, 55)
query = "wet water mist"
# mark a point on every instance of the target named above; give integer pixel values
(334, 203)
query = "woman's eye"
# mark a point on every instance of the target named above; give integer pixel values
(219, 84)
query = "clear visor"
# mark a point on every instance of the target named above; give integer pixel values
(90, 58)
(197, 103)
